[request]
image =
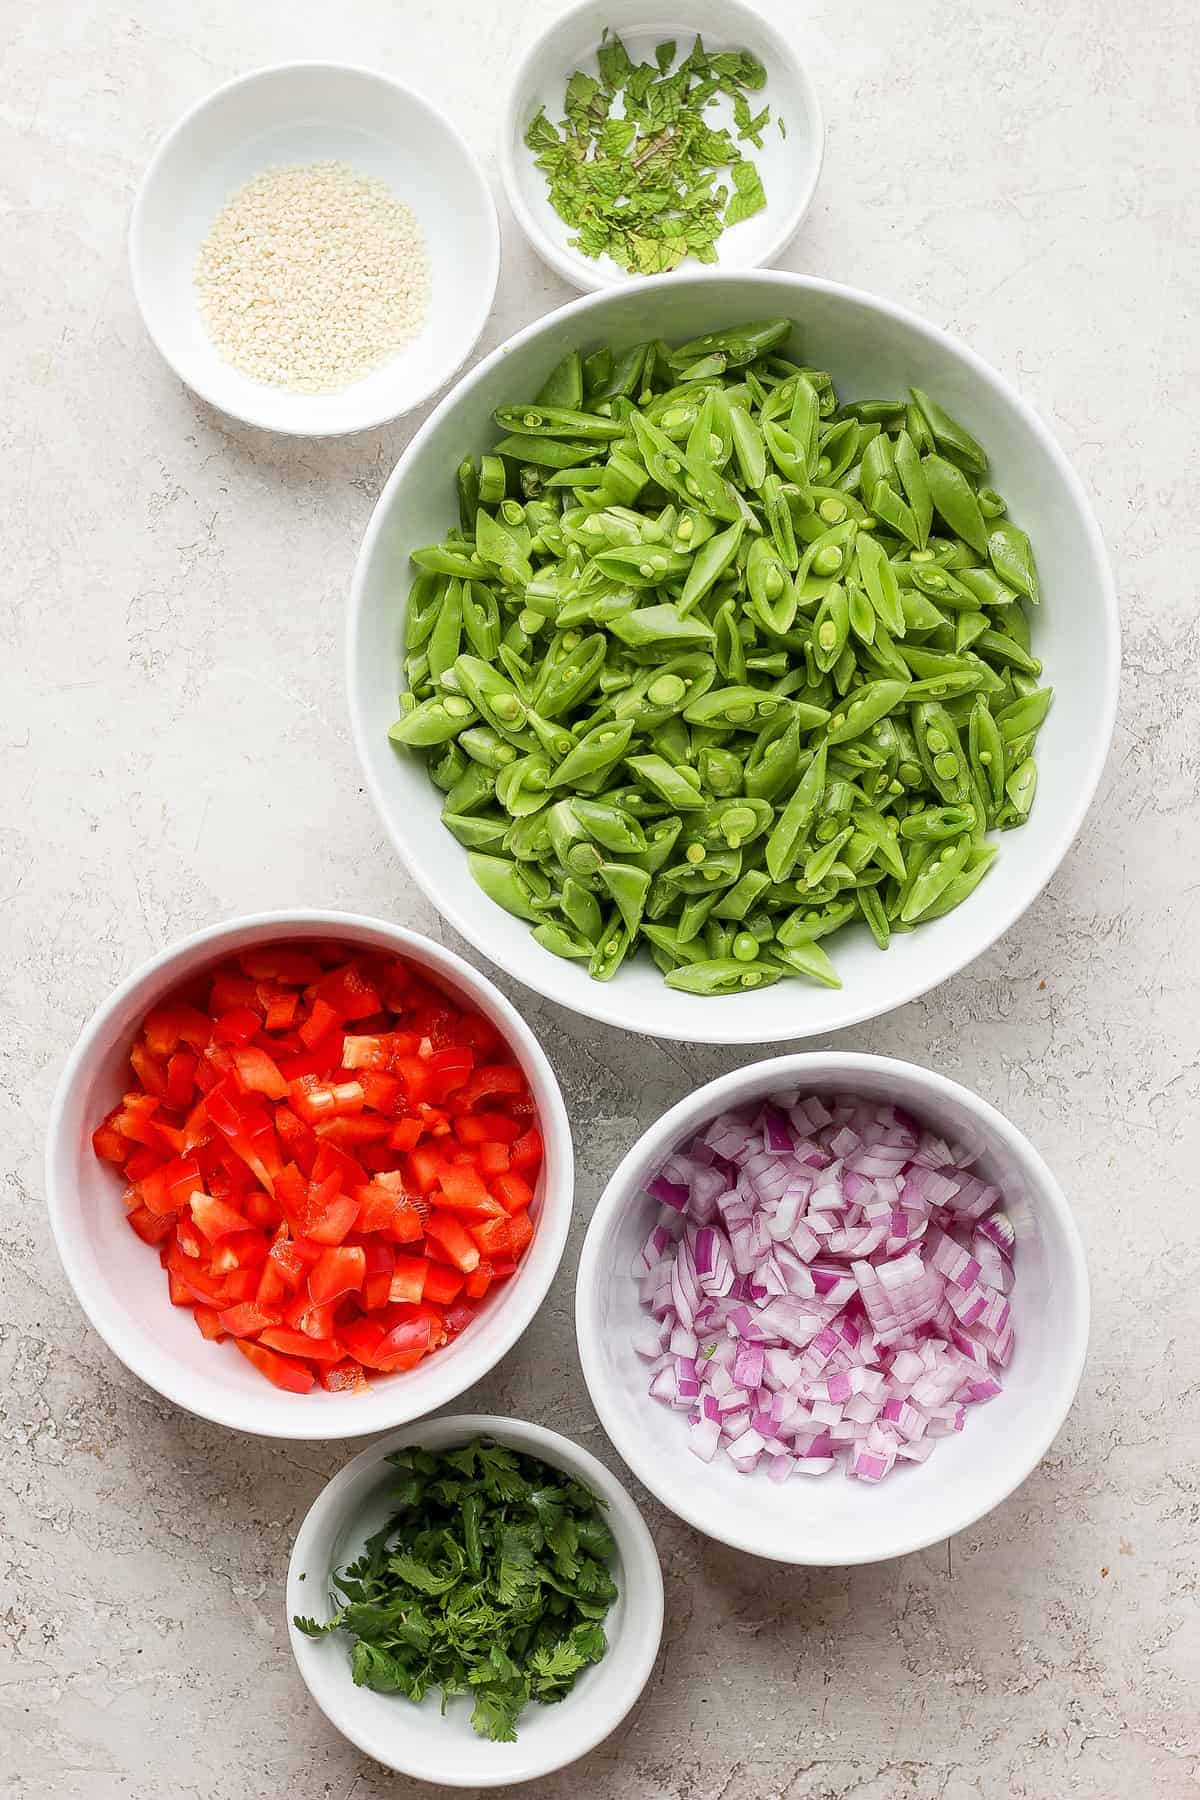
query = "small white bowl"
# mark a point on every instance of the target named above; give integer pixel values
(790, 167)
(871, 347)
(117, 1278)
(308, 112)
(419, 1740)
(829, 1519)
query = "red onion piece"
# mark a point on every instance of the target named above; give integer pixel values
(828, 1279)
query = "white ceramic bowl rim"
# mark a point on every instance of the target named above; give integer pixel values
(516, 1309)
(689, 1114)
(574, 268)
(639, 1559)
(602, 1001)
(249, 415)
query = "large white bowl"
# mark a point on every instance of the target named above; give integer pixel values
(420, 1740)
(117, 1278)
(829, 1519)
(872, 348)
(308, 112)
(790, 167)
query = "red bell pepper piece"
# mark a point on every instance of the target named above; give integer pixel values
(513, 1192)
(442, 1285)
(296, 1343)
(409, 1275)
(461, 1247)
(345, 1378)
(258, 1073)
(247, 1319)
(336, 1272)
(284, 1371)
(281, 963)
(241, 1025)
(213, 1218)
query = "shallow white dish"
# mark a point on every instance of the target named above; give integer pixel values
(117, 1278)
(871, 347)
(790, 167)
(418, 1740)
(301, 113)
(830, 1519)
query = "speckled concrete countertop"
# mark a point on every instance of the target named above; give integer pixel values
(1022, 171)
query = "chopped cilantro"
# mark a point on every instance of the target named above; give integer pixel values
(490, 1579)
(641, 184)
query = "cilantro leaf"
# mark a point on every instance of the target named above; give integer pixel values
(489, 1581)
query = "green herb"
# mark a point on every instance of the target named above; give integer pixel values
(642, 184)
(489, 1579)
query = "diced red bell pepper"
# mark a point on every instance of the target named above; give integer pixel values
(489, 1083)
(520, 1233)
(362, 1337)
(241, 1025)
(281, 963)
(459, 1316)
(272, 1290)
(377, 1279)
(442, 1285)
(462, 1190)
(305, 1315)
(373, 1052)
(513, 1192)
(213, 1218)
(108, 1143)
(461, 1247)
(364, 1129)
(336, 1272)
(479, 1280)
(321, 1021)
(239, 1250)
(335, 1221)
(239, 1285)
(181, 1080)
(403, 1340)
(381, 1093)
(344, 1378)
(296, 1343)
(348, 993)
(280, 1007)
(284, 1371)
(168, 1026)
(299, 1140)
(494, 1158)
(406, 1134)
(258, 1073)
(230, 990)
(527, 1151)
(171, 1185)
(149, 1071)
(409, 1275)
(482, 1127)
(247, 1319)
(493, 1237)
(151, 1227)
(209, 1322)
(317, 1101)
(288, 1260)
(178, 1290)
(447, 1071)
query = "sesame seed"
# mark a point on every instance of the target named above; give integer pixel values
(311, 276)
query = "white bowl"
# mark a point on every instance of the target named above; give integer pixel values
(117, 1278)
(418, 1740)
(790, 167)
(301, 113)
(871, 347)
(830, 1519)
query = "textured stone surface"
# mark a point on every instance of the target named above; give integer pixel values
(175, 750)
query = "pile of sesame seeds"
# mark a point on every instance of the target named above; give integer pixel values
(311, 276)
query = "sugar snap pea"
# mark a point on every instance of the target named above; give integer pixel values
(711, 665)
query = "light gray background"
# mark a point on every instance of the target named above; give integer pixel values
(175, 750)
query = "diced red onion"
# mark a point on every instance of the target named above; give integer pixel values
(827, 1278)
